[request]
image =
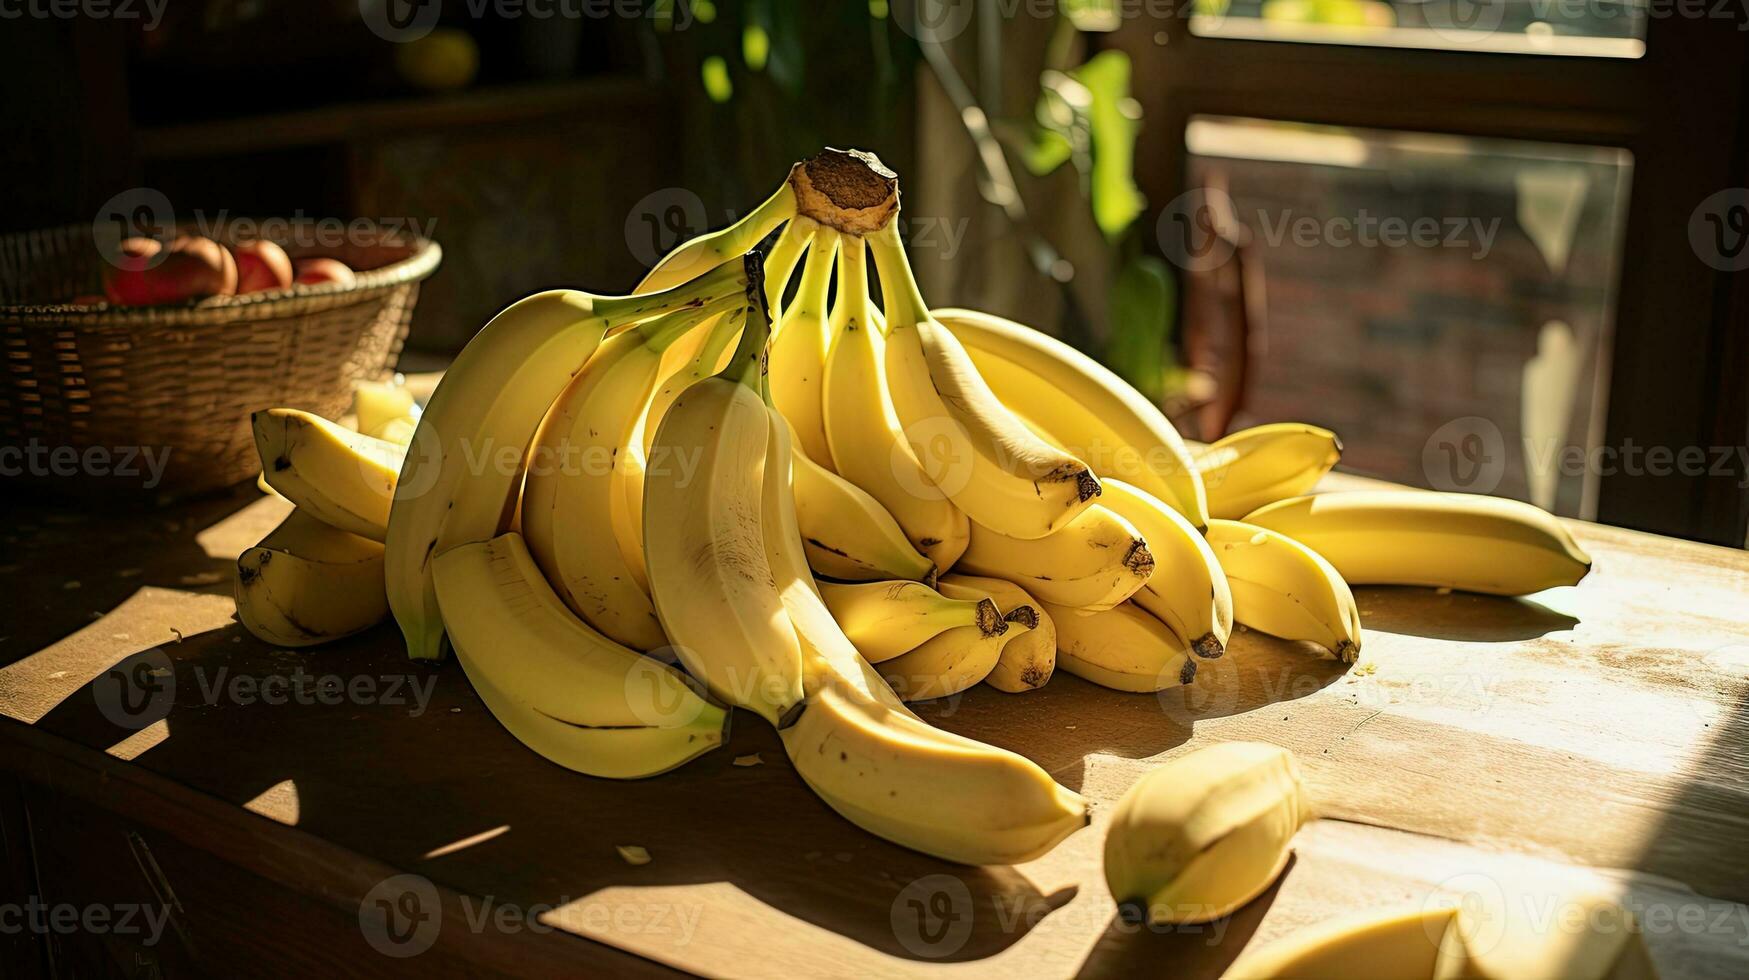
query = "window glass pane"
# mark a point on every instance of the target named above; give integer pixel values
(1443, 303)
(1591, 28)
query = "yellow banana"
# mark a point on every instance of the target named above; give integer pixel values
(308, 583)
(459, 482)
(973, 448)
(849, 535)
(338, 476)
(1414, 537)
(1095, 561)
(949, 662)
(1122, 648)
(710, 251)
(1187, 589)
(1029, 656)
(876, 763)
(1198, 837)
(1083, 407)
(567, 512)
(886, 619)
(1286, 589)
(862, 428)
(1398, 945)
(1260, 465)
(781, 261)
(798, 351)
(562, 689)
(386, 411)
(704, 539)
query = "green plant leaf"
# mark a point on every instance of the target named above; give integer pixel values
(1142, 311)
(1113, 120)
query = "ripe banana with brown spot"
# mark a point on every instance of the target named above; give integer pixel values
(1286, 589)
(1187, 590)
(1123, 648)
(849, 535)
(887, 619)
(343, 478)
(1198, 837)
(1095, 561)
(949, 662)
(308, 583)
(1029, 656)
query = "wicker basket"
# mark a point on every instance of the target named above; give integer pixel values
(88, 388)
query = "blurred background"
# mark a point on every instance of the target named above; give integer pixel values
(1494, 244)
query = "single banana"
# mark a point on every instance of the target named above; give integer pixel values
(1095, 561)
(704, 539)
(308, 583)
(1246, 469)
(1029, 656)
(695, 356)
(876, 763)
(712, 250)
(386, 411)
(849, 535)
(862, 428)
(1582, 936)
(1123, 648)
(1415, 537)
(992, 466)
(564, 690)
(798, 351)
(338, 476)
(459, 482)
(1396, 945)
(1197, 838)
(949, 662)
(886, 619)
(780, 263)
(1187, 589)
(1083, 407)
(567, 513)
(1286, 589)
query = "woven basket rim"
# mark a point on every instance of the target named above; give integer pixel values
(424, 257)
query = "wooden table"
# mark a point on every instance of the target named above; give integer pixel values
(1481, 740)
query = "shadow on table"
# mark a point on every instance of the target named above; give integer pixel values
(1461, 616)
(1194, 952)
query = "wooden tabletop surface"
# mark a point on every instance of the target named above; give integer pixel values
(1597, 732)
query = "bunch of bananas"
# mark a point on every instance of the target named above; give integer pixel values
(748, 486)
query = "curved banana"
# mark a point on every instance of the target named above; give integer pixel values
(1095, 561)
(886, 619)
(781, 261)
(704, 538)
(386, 411)
(1420, 537)
(308, 583)
(1198, 837)
(849, 535)
(1083, 407)
(862, 427)
(876, 763)
(1247, 469)
(1029, 656)
(464, 467)
(1187, 589)
(949, 662)
(712, 250)
(972, 447)
(567, 512)
(338, 476)
(562, 689)
(798, 351)
(1397, 945)
(689, 360)
(1284, 588)
(1122, 648)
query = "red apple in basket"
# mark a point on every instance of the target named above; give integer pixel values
(319, 270)
(261, 264)
(188, 268)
